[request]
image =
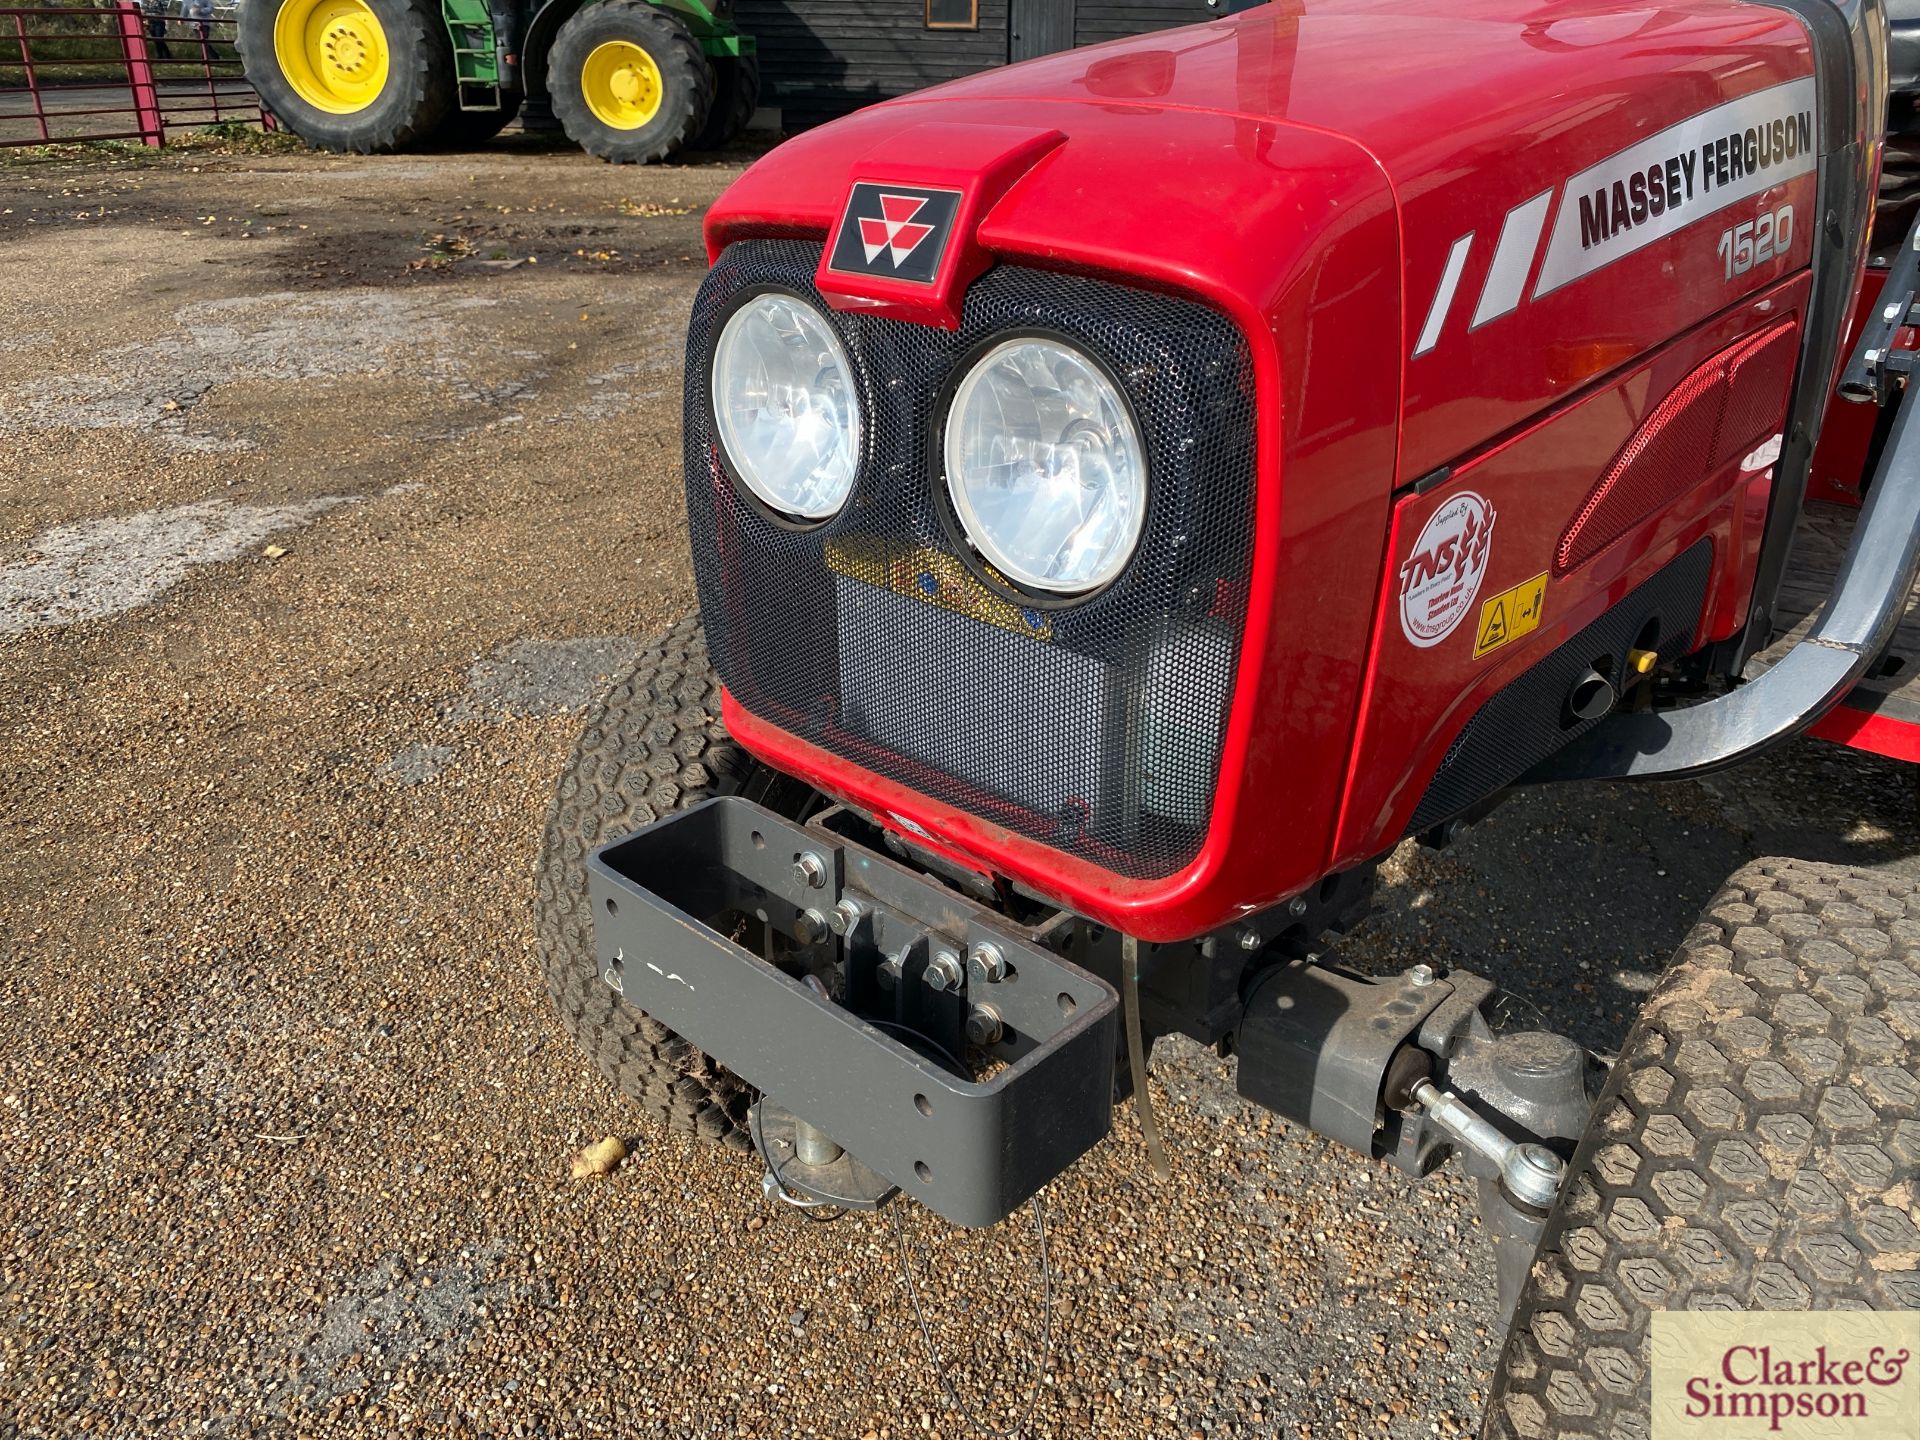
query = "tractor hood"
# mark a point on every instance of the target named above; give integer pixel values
(1447, 150)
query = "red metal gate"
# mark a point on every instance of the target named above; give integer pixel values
(117, 71)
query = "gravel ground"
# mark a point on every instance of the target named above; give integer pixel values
(327, 488)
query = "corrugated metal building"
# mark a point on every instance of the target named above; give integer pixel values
(821, 58)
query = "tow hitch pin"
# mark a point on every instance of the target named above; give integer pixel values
(1530, 1172)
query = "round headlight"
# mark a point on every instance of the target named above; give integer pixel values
(1045, 466)
(784, 402)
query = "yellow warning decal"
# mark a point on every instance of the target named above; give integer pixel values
(1509, 614)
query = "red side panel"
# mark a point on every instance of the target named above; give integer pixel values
(1725, 410)
(1455, 625)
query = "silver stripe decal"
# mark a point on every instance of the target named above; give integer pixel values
(1443, 297)
(1684, 173)
(1512, 259)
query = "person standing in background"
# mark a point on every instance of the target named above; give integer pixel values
(200, 14)
(157, 29)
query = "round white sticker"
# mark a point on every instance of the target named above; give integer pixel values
(1439, 580)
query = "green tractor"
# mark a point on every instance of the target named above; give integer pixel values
(632, 81)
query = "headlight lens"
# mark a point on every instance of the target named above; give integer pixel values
(1045, 467)
(785, 405)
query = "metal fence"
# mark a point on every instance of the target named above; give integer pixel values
(116, 71)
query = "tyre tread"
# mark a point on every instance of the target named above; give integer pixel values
(1764, 1108)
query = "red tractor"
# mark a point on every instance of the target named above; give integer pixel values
(1132, 492)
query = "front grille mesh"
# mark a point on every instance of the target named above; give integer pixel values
(1095, 728)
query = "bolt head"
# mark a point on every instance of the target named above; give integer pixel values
(1250, 940)
(810, 927)
(844, 916)
(944, 971)
(1422, 975)
(983, 1025)
(986, 963)
(1297, 906)
(810, 870)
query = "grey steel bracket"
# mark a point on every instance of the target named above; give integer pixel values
(877, 1065)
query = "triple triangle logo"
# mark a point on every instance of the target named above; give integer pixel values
(894, 232)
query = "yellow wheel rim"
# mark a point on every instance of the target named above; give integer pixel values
(621, 84)
(333, 53)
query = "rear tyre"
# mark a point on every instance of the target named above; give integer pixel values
(464, 128)
(652, 746)
(365, 76)
(629, 82)
(1764, 1107)
(736, 96)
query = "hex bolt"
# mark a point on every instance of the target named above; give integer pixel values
(810, 927)
(984, 1026)
(1421, 975)
(1297, 906)
(987, 964)
(1892, 312)
(845, 916)
(944, 971)
(810, 870)
(891, 968)
(1250, 940)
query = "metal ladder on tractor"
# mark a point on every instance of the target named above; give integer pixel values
(476, 67)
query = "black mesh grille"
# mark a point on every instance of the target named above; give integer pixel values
(1094, 727)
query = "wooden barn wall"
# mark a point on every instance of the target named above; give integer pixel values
(821, 58)
(1097, 20)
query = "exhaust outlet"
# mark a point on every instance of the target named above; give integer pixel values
(1592, 696)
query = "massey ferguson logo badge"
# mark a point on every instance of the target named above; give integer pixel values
(894, 232)
(1439, 580)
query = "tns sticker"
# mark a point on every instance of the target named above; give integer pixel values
(1440, 579)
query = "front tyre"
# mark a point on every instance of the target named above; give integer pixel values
(1756, 1147)
(628, 82)
(653, 745)
(365, 76)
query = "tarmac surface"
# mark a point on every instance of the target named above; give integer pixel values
(328, 490)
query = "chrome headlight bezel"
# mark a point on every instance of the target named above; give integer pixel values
(973, 538)
(754, 486)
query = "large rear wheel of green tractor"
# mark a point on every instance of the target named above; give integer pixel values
(736, 96)
(1757, 1147)
(629, 82)
(365, 76)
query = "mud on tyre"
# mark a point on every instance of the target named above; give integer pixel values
(652, 745)
(1751, 1149)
